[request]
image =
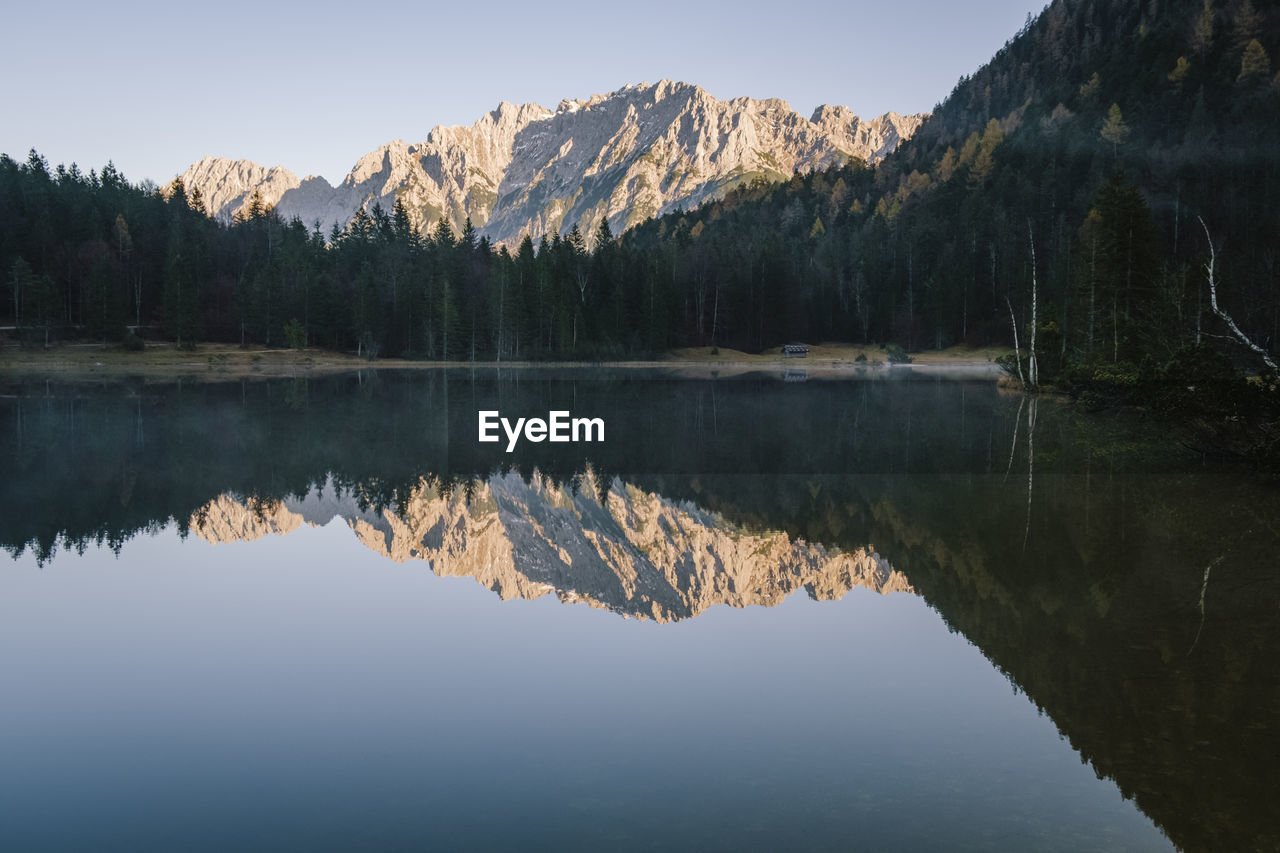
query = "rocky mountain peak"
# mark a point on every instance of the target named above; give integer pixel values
(626, 155)
(228, 184)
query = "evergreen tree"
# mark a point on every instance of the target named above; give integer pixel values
(1255, 65)
(1125, 303)
(443, 234)
(181, 285)
(604, 234)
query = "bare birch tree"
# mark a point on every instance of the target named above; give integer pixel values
(1032, 369)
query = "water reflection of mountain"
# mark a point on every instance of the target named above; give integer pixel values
(1133, 598)
(622, 548)
(99, 462)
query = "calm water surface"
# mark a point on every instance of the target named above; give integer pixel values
(869, 613)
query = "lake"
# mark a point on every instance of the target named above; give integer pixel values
(890, 609)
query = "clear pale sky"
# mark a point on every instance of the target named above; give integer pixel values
(313, 86)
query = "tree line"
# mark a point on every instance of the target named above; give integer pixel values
(93, 256)
(1053, 200)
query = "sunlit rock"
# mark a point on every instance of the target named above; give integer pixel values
(638, 152)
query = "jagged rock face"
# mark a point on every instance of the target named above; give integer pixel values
(877, 137)
(638, 152)
(635, 552)
(226, 185)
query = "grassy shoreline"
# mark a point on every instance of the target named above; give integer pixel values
(215, 362)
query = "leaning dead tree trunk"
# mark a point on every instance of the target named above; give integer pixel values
(1017, 352)
(1213, 302)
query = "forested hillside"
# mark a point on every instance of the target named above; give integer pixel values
(1091, 144)
(1066, 180)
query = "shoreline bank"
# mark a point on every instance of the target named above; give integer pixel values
(219, 362)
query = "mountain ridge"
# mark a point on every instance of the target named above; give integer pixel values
(639, 151)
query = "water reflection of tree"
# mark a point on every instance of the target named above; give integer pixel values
(172, 448)
(1160, 678)
(1094, 620)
